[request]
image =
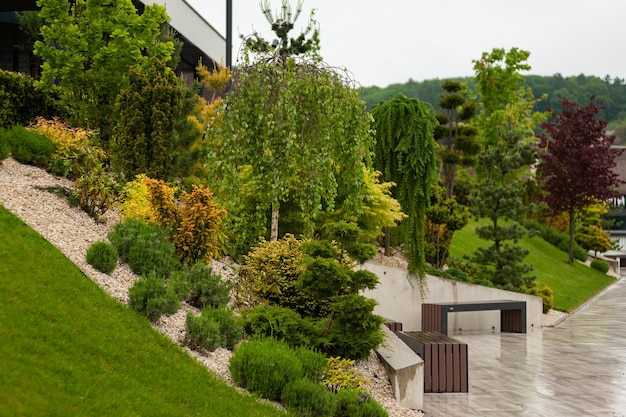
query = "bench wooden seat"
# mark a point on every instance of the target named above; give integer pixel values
(445, 360)
(512, 314)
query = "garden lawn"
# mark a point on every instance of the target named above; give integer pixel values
(68, 349)
(572, 284)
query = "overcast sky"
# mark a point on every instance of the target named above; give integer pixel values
(392, 41)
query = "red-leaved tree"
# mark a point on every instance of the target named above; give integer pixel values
(576, 161)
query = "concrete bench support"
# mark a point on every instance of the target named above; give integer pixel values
(405, 369)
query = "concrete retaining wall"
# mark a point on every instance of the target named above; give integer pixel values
(399, 299)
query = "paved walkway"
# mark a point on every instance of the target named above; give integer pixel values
(575, 369)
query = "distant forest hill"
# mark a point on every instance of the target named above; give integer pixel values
(610, 92)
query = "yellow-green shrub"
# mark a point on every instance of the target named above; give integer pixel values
(193, 219)
(135, 202)
(196, 234)
(341, 374)
(74, 153)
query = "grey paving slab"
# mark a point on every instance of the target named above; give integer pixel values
(575, 369)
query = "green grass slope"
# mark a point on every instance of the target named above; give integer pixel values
(68, 349)
(572, 284)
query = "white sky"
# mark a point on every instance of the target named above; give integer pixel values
(392, 41)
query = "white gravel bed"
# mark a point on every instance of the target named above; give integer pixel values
(72, 231)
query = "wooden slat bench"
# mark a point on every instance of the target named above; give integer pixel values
(445, 360)
(512, 314)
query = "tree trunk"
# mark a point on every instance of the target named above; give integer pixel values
(274, 226)
(572, 227)
(387, 241)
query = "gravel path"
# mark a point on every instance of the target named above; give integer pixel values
(25, 191)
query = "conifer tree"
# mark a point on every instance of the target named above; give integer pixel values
(405, 154)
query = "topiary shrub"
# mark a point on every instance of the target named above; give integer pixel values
(308, 399)
(29, 147)
(102, 256)
(144, 247)
(355, 329)
(280, 323)
(545, 293)
(151, 296)
(264, 366)
(599, 265)
(216, 327)
(356, 403)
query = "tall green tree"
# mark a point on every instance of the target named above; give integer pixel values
(405, 154)
(294, 131)
(88, 48)
(456, 136)
(154, 135)
(576, 162)
(506, 131)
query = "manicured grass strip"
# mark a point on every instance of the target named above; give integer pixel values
(68, 349)
(572, 284)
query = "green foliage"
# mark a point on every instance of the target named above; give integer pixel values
(22, 99)
(444, 216)
(507, 124)
(264, 366)
(457, 139)
(216, 327)
(151, 297)
(96, 191)
(356, 403)
(144, 247)
(599, 265)
(201, 287)
(150, 109)
(280, 323)
(355, 329)
(313, 363)
(308, 399)
(102, 256)
(75, 153)
(29, 147)
(88, 48)
(546, 295)
(5, 147)
(340, 374)
(405, 154)
(295, 133)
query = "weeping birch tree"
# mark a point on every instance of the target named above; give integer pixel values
(294, 130)
(405, 153)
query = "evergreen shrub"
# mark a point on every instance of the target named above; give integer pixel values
(264, 366)
(5, 148)
(151, 296)
(308, 399)
(144, 247)
(205, 287)
(29, 147)
(102, 256)
(21, 100)
(280, 323)
(215, 327)
(356, 403)
(599, 265)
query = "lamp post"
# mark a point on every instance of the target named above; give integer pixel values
(229, 33)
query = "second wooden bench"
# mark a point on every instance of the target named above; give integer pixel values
(445, 360)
